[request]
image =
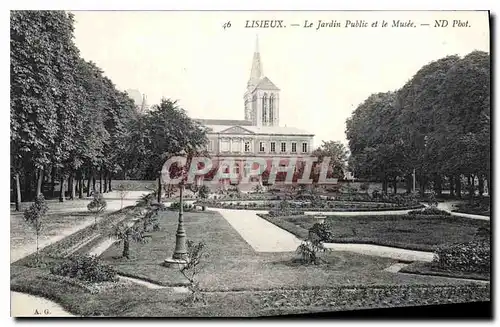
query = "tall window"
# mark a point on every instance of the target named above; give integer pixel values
(294, 147)
(273, 146)
(271, 108)
(210, 146)
(264, 108)
(304, 147)
(262, 147)
(283, 147)
(247, 146)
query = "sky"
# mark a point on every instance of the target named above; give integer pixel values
(323, 74)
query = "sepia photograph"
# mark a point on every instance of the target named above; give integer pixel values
(221, 164)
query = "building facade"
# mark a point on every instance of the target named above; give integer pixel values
(259, 134)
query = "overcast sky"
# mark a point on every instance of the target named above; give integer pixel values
(323, 74)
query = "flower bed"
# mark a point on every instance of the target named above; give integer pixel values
(374, 296)
(429, 211)
(468, 257)
(482, 208)
(321, 206)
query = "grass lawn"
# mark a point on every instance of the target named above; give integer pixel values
(237, 281)
(125, 299)
(420, 232)
(234, 265)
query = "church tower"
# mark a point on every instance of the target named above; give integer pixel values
(262, 96)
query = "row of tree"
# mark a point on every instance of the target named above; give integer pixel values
(69, 122)
(436, 126)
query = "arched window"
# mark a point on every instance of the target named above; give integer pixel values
(271, 109)
(264, 108)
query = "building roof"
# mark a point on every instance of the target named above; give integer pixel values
(266, 84)
(265, 130)
(224, 122)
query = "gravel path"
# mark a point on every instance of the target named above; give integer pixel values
(259, 233)
(382, 251)
(26, 305)
(264, 236)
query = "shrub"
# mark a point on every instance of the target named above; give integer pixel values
(87, 268)
(322, 231)
(97, 205)
(310, 250)
(204, 192)
(429, 211)
(469, 257)
(177, 205)
(34, 216)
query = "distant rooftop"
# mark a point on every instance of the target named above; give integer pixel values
(225, 122)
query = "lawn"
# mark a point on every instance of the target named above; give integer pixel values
(233, 264)
(237, 281)
(131, 300)
(419, 232)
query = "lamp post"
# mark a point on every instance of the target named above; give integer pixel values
(180, 256)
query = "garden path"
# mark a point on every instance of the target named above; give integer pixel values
(22, 237)
(262, 235)
(26, 305)
(448, 206)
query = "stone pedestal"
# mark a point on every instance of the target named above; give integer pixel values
(175, 263)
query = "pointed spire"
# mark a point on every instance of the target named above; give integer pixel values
(257, 72)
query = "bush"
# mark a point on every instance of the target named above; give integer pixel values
(185, 206)
(429, 211)
(469, 257)
(87, 268)
(322, 231)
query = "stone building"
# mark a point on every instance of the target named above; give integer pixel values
(259, 134)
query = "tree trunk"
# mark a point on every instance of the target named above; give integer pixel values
(409, 182)
(53, 181)
(72, 194)
(481, 185)
(126, 248)
(452, 185)
(39, 182)
(100, 181)
(159, 189)
(438, 184)
(422, 185)
(109, 185)
(105, 183)
(458, 186)
(62, 190)
(93, 182)
(18, 192)
(488, 183)
(395, 184)
(80, 187)
(470, 187)
(88, 183)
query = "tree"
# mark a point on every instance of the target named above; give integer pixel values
(123, 190)
(125, 233)
(34, 217)
(97, 206)
(191, 269)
